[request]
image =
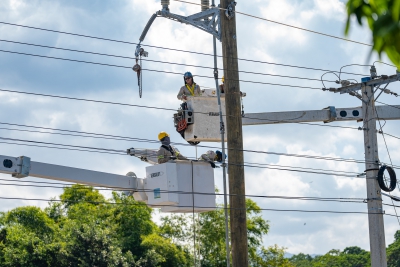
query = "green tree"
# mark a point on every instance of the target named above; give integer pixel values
(393, 251)
(273, 256)
(383, 18)
(209, 229)
(349, 257)
(301, 260)
(85, 229)
(28, 237)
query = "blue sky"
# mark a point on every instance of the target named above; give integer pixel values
(313, 233)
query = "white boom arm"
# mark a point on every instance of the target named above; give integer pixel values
(327, 115)
(21, 167)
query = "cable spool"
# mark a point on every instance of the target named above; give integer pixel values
(383, 183)
(205, 5)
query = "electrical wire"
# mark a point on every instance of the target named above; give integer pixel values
(390, 158)
(205, 207)
(387, 104)
(163, 62)
(113, 152)
(154, 141)
(169, 109)
(284, 24)
(171, 49)
(85, 187)
(151, 70)
(123, 152)
(251, 151)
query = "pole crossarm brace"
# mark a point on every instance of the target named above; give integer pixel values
(326, 115)
(21, 167)
(208, 21)
(374, 82)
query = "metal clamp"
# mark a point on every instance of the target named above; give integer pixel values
(332, 114)
(23, 167)
(230, 10)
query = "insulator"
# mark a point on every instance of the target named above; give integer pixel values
(165, 4)
(205, 5)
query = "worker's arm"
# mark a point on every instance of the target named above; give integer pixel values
(162, 158)
(198, 91)
(180, 156)
(181, 95)
(204, 157)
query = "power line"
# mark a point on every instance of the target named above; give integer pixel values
(84, 187)
(121, 152)
(173, 49)
(62, 148)
(169, 109)
(158, 206)
(154, 141)
(251, 151)
(151, 70)
(284, 24)
(115, 152)
(163, 62)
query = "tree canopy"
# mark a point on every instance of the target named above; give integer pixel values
(383, 19)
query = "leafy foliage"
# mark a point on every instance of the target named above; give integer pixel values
(83, 230)
(383, 18)
(393, 251)
(209, 228)
(349, 257)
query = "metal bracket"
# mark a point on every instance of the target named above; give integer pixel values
(230, 10)
(23, 167)
(208, 21)
(332, 114)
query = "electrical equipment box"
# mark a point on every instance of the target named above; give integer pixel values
(206, 124)
(180, 186)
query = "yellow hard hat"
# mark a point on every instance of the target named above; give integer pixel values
(223, 79)
(161, 135)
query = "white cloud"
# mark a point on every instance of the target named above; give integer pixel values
(257, 40)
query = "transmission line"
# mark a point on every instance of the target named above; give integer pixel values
(173, 49)
(151, 70)
(284, 24)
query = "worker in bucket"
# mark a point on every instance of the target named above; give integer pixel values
(211, 156)
(166, 151)
(189, 89)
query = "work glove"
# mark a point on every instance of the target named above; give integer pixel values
(212, 164)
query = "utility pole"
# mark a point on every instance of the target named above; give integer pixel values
(237, 191)
(375, 210)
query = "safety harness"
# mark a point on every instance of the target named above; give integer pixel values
(169, 148)
(191, 88)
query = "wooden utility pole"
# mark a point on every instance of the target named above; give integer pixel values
(237, 197)
(375, 211)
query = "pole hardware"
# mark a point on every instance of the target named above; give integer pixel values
(139, 53)
(383, 183)
(332, 114)
(230, 11)
(23, 167)
(379, 210)
(373, 72)
(208, 21)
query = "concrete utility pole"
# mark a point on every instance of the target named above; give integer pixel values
(375, 210)
(234, 135)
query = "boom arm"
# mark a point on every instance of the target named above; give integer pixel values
(21, 167)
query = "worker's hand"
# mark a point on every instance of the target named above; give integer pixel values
(212, 164)
(184, 97)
